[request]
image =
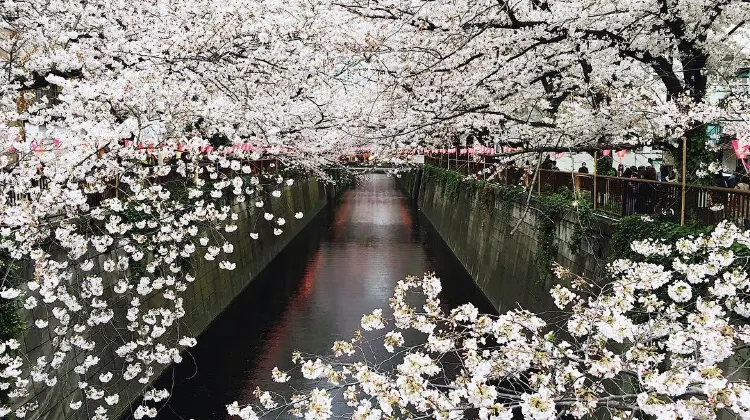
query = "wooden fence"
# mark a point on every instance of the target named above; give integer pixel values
(624, 196)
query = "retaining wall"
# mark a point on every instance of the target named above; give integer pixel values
(211, 292)
(503, 265)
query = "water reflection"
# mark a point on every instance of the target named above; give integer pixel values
(343, 265)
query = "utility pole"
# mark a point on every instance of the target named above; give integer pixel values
(596, 164)
(684, 179)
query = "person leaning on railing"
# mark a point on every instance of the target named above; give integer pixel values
(738, 203)
(649, 191)
(723, 181)
(630, 202)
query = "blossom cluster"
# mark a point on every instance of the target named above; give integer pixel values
(654, 339)
(112, 242)
(553, 75)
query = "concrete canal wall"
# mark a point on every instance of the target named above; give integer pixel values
(478, 231)
(211, 292)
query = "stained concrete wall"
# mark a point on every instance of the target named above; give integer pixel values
(503, 265)
(211, 292)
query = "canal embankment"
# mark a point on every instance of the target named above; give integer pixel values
(212, 291)
(507, 246)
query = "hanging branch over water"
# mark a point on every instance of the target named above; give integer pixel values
(656, 337)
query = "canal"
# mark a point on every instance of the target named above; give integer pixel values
(344, 264)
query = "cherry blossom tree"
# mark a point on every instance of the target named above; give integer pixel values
(171, 71)
(108, 276)
(556, 76)
(164, 126)
(660, 337)
(131, 134)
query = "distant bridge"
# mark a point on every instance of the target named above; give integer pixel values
(370, 169)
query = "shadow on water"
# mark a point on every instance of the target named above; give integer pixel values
(344, 264)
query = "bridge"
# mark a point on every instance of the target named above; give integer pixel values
(370, 169)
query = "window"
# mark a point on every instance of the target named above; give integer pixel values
(714, 133)
(51, 93)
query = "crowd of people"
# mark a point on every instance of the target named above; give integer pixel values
(645, 197)
(666, 173)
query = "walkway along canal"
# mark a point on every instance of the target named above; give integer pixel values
(341, 266)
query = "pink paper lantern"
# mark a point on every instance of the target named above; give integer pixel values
(740, 152)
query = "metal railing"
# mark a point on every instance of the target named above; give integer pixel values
(623, 196)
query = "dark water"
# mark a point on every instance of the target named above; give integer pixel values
(344, 264)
